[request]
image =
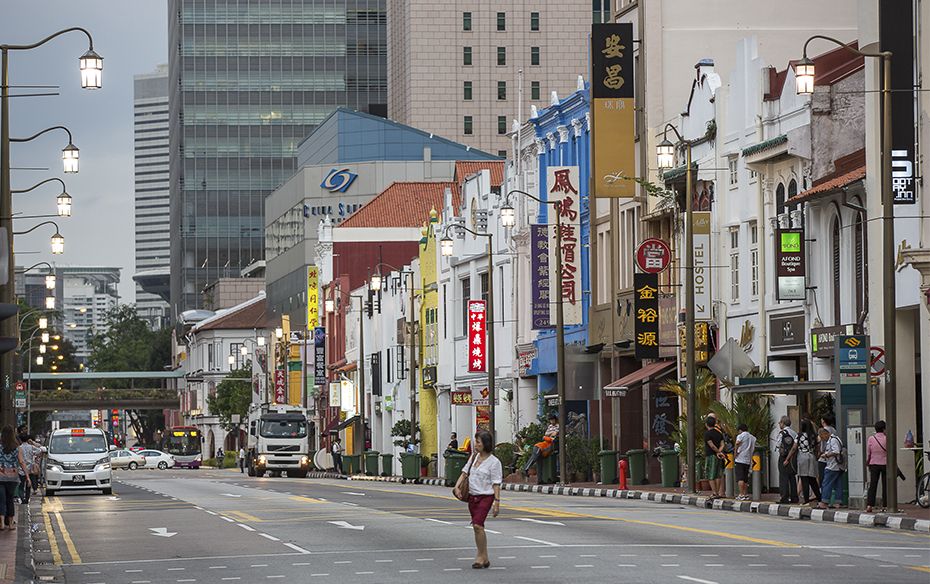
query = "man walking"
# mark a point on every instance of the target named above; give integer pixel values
(713, 457)
(787, 462)
(336, 451)
(241, 460)
(745, 445)
(833, 474)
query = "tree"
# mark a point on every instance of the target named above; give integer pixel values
(233, 396)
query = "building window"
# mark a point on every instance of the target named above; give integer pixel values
(501, 21)
(835, 242)
(466, 296)
(734, 173)
(534, 90)
(859, 243)
(534, 55)
(501, 90)
(501, 55)
(779, 198)
(734, 264)
(501, 124)
(467, 126)
(502, 153)
(753, 176)
(466, 55)
(466, 21)
(753, 233)
(483, 282)
(466, 91)
(734, 238)
(534, 21)
(754, 259)
(792, 188)
(602, 11)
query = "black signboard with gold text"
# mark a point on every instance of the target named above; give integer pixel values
(646, 310)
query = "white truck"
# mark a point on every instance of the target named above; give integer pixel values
(278, 441)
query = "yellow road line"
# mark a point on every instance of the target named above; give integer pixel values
(306, 499)
(72, 551)
(52, 540)
(920, 568)
(243, 516)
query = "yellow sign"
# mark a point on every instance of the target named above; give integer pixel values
(313, 297)
(612, 109)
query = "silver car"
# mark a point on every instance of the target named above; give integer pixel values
(126, 459)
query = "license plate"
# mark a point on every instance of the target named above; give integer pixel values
(77, 479)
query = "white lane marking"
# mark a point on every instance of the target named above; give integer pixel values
(713, 565)
(363, 573)
(231, 578)
(246, 527)
(668, 555)
(670, 565)
(791, 555)
(343, 562)
(539, 567)
(507, 557)
(698, 580)
(141, 582)
(282, 576)
(710, 555)
(228, 519)
(757, 565)
(297, 548)
(217, 568)
(800, 565)
(438, 521)
(626, 565)
(531, 520)
(210, 512)
(271, 537)
(846, 565)
(407, 571)
(354, 494)
(383, 561)
(425, 559)
(584, 565)
(497, 568)
(319, 574)
(91, 573)
(587, 556)
(750, 555)
(162, 532)
(350, 504)
(451, 569)
(301, 564)
(543, 542)
(187, 580)
(231, 495)
(133, 571)
(176, 569)
(887, 565)
(346, 525)
(547, 557)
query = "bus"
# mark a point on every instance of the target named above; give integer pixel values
(184, 443)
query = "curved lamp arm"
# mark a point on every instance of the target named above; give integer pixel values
(37, 134)
(530, 195)
(34, 227)
(37, 185)
(445, 232)
(878, 55)
(674, 130)
(90, 40)
(33, 266)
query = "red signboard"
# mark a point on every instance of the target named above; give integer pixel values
(653, 255)
(280, 386)
(477, 329)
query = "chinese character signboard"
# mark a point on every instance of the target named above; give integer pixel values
(613, 164)
(653, 256)
(481, 395)
(562, 187)
(461, 397)
(896, 34)
(319, 355)
(280, 386)
(646, 311)
(789, 264)
(313, 297)
(477, 327)
(539, 275)
(703, 310)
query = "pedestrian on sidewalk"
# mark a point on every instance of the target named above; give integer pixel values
(11, 463)
(484, 475)
(28, 471)
(336, 450)
(714, 458)
(745, 445)
(833, 474)
(787, 444)
(876, 457)
(808, 470)
(241, 460)
(828, 422)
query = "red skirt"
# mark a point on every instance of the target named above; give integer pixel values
(479, 506)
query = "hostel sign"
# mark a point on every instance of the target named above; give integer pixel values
(702, 299)
(612, 91)
(477, 335)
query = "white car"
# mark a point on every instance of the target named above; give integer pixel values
(78, 459)
(126, 459)
(157, 459)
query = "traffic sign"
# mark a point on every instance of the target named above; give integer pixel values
(20, 386)
(876, 361)
(653, 255)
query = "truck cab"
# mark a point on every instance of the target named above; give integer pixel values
(278, 441)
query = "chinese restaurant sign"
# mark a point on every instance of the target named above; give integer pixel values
(562, 187)
(280, 386)
(319, 355)
(461, 397)
(477, 327)
(789, 264)
(613, 164)
(646, 309)
(539, 275)
(313, 297)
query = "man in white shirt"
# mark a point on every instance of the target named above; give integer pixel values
(745, 445)
(241, 460)
(833, 475)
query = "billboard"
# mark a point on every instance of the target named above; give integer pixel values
(612, 110)
(562, 187)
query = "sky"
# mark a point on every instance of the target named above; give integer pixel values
(132, 38)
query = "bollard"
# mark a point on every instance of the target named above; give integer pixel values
(756, 477)
(621, 472)
(729, 474)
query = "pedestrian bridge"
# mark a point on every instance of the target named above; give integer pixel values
(125, 390)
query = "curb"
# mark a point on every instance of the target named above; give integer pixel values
(326, 475)
(432, 482)
(40, 562)
(377, 479)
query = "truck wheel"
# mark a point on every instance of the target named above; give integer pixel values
(298, 474)
(250, 471)
(108, 491)
(275, 473)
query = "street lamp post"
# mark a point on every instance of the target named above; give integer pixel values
(63, 201)
(665, 153)
(446, 246)
(91, 65)
(508, 219)
(804, 72)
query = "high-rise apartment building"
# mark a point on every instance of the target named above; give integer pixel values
(466, 73)
(153, 243)
(250, 79)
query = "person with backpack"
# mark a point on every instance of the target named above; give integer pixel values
(787, 444)
(833, 474)
(808, 471)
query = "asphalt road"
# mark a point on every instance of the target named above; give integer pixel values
(220, 526)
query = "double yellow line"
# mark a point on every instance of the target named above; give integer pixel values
(51, 514)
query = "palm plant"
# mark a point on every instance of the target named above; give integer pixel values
(706, 395)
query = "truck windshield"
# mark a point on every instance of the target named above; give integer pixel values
(284, 428)
(74, 444)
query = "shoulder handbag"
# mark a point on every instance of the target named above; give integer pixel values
(462, 483)
(900, 474)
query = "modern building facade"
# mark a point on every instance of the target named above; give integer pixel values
(249, 80)
(152, 225)
(467, 72)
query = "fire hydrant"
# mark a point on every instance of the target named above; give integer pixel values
(621, 473)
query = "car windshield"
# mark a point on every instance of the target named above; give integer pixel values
(283, 429)
(77, 444)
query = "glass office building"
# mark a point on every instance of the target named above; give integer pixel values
(250, 79)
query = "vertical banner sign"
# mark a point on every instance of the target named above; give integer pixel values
(539, 275)
(703, 309)
(789, 264)
(646, 308)
(477, 356)
(562, 187)
(319, 355)
(896, 34)
(613, 164)
(280, 386)
(313, 297)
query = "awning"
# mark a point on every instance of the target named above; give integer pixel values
(345, 423)
(643, 374)
(785, 387)
(347, 367)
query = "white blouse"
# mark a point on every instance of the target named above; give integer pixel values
(482, 477)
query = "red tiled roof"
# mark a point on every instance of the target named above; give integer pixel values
(251, 316)
(403, 204)
(829, 68)
(465, 168)
(831, 185)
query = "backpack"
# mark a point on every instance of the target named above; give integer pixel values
(842, 459)
(785, 442)
(728, 446)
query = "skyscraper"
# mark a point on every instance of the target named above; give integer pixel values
(153, 247)
(249, 79)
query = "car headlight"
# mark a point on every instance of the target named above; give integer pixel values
(304, 461)
(262, 460)
(103, 462)
(53, 465)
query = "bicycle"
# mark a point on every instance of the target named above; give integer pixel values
(923, 488)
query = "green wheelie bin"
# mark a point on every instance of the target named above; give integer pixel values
(637, 459)
(455, 462)
(545, 469)
(387, 465)
(608, 466)
(371, 462)
(410, 466)
(669, 461)
(350, 463)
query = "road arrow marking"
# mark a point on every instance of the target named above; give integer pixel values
(162, 531)
(354, 494)
(230, 495)
(113, 498)
(347, 525)
(539, 521)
